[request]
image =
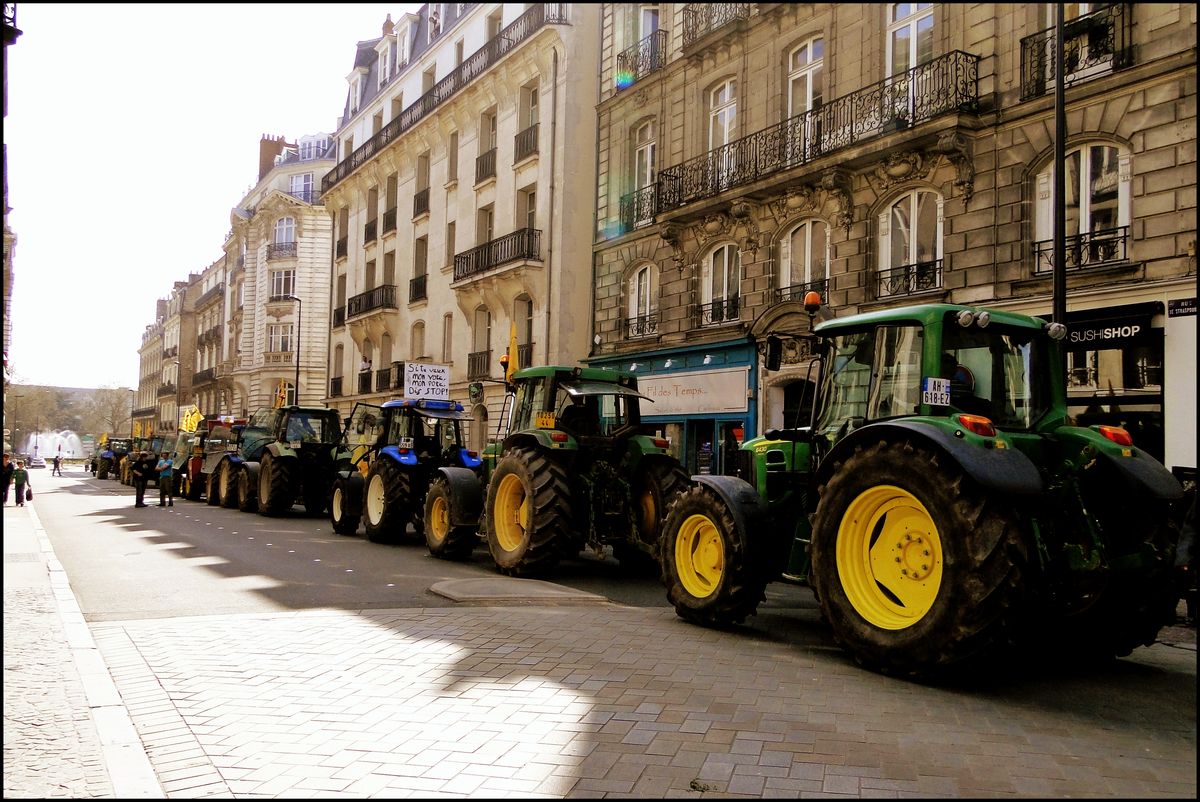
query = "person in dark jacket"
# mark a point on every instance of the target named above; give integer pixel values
(141, 469)
(7, 475)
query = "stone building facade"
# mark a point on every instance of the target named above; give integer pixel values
(883, 155)
(462, 198)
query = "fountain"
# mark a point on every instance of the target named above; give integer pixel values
(46, 444)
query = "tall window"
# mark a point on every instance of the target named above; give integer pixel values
(487, 130)
(452, 157)
(283, 283)
(481, 331)
(722, 118)
(279, 337)
(285, 230)
(910, 36)
(450, 235)
(644, 145)
(302, 187)
(384, 66)
(529, 105)
(647, 20)
(485, 220)
(805, 66)
(527, 206)
(1098, 191)
(418, 340)
(420, 256)
(721, 285)
(447, 338)
(803, 259)
(910, 243)
(643, 301)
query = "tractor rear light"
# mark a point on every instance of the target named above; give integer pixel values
(559, 437)
(473, 454)
(661, 442)
(977, 424)
(1118, 435)
(403, 450)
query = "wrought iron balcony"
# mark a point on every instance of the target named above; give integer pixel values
(335, 387)
(909, 279)
(1093, 44)
(166, 389)
(485, 165)
(638, 61)
(382, 297)
(369, 231)
(281, 250)
(946, 84)
(211, 295)
(525, 144)
(1089, 249)
(638, 208)
(641, 326)
(389, 220)
(479, 365)
(524, 243)
(170, 352)
(416, 288)
(511, 37)
(383, 379)
(341, 248)
(701, 19)
(796, 292)
(364, 381)
(718, 311)
(204, 376)
(421, 202)
(309, 195)
(339, 316)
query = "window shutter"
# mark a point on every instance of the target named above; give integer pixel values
(1124, 186)
(1044, 223)
(784, 276)
(885, 240)
(940, 221)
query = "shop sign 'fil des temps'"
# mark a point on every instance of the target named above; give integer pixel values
(701, 391)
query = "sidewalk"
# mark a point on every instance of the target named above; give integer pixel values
(67, 732)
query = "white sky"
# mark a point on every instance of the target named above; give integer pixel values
(132, 130)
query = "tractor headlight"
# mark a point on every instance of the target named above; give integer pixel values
(965, 318)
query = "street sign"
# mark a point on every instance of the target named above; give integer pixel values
(426, 380)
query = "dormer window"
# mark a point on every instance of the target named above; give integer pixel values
(435, 21)
(402, 46)
(385, 71)
(355, 94)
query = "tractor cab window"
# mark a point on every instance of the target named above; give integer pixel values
(896, 373)
(531, 399)
(264, 419)
(305, 428)
(578, 414)
(366, 425)
(991, 373)
(845, 381)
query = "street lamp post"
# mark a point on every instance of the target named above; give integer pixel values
(296, 339)
(132, 400)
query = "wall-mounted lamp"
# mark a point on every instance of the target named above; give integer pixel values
(708, 359)
(668, 363)
(633, 367)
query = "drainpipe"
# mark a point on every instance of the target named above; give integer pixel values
(595, 206)
(553, 181)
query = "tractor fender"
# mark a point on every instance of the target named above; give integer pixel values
(405, 457)
(252, 469)
(278, 449)
(354, 489)
(1146, 475)
(1004, 470)
(744, 505)
(466, 495)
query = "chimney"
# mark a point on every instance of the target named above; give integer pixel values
(268, 148)
(388, 26)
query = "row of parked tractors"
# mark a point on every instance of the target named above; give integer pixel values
(937, 498)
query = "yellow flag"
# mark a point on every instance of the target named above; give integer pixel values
(137, 428)
(281, 393)
(512, 352)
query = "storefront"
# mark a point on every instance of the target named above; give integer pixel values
(703, 400)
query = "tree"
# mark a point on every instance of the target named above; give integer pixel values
(108, 412)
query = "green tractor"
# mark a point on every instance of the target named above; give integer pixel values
(112, 452)
(940, 502)
(392, 457)
(575, 470)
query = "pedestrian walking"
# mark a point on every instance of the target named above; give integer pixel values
(166, 480)
(140, 469)
(7, 475)
(20, 479)
(57, 465)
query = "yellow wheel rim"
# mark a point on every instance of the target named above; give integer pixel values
(648, 511)
(699, 556)
(439, 523)
(512, 513)
(889, 557)
(376, 500)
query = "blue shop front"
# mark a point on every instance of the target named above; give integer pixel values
(703, 399)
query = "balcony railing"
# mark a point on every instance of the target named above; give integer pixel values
(525, 243)
(638, 61)
(170, 352)
(211, 295)
(210, 335)
(946, 84)
(718, 311)
(479, 365)
(496, 48)
(310, 195)
(382, 297)
(339, 316)
(335, 387)
(416, 288)
(383, 379)
(364, 381)
(281, 250)
(421, 202)
(525, 144)
(638, 208)
(525, 355)
(1086, 250)
(641, 326)
(369, 231)
(909, 279)
(204, 376)
(701, 19)
(485, 165)
(1093, 44)
(166, 389)
(341, 248)
(389, 220)
(796, 292)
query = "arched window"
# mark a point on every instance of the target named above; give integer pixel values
(285, 230)
(479, 360)
(523, 317)
(910, 244)
(642, 302)
(720, 285)
(803, 260)
(448, 338)
(1098, 191)
(418, 340)
(338, 369)
(644, 144)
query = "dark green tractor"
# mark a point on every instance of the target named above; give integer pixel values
(940, 502)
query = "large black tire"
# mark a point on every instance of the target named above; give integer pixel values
(247, 500)
(713, 575)
(918, 570)
(385, 504)
(212, 493)
(656, 486)
(228, 484)
(445, 541)
(276, 493)
(528, 514)
(104, 467)
(414, 495)
(343, 521)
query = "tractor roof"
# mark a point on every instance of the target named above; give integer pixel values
(570, 371)
(430, 407)
(923, 314)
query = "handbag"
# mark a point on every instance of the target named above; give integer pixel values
(29, 494)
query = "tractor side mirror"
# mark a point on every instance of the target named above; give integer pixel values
(774, 352)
